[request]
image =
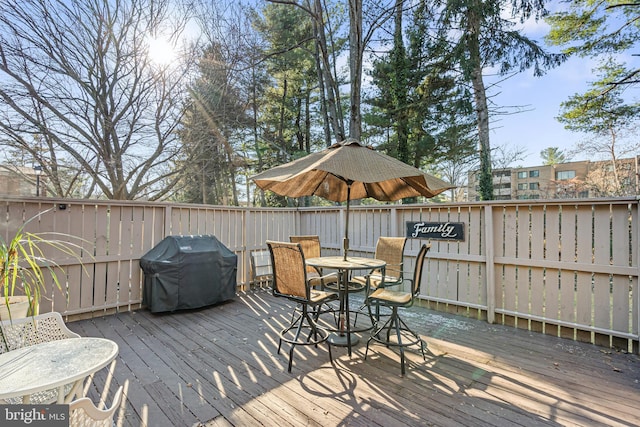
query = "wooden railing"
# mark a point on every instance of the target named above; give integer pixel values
(562, 267)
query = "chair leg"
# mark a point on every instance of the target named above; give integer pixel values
(398, 326)
(291, 357)
(302, 319)
(317, 311)
(397, 322)
(373, 318)
(419, 340)
(376, 331)
(292, 324)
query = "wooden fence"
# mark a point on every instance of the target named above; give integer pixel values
(561, 267)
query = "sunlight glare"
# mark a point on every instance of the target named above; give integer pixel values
(161, 52)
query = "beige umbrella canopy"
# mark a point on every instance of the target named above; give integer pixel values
(347, 171)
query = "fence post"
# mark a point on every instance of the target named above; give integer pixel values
(394, 221)
(489, 263)
(298, 222)
(167, 221)
(244, 259)
(637, 261)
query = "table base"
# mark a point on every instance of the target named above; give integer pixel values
(340, 340)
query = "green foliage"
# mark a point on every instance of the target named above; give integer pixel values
(216, 113)
(486, 178)
(501, 46)
(612, 124)
(288, 36)
(552, 156)
(597, 28)
(591, 28)
(418, 106)
(473, 35)
(601, 110)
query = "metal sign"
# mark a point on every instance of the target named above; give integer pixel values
(435, 230)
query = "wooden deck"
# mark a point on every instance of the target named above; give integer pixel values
(219, 367)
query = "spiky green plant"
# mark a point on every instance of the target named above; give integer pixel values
(23, 264)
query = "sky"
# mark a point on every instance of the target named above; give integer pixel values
(536, 128)
(538, 98)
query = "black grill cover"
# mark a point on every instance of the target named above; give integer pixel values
(183, 272)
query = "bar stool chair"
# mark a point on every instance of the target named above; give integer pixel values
(390, 250)
(290, 281)
(404, 336)
(311, 248)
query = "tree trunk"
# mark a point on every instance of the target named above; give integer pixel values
(332, 90)
(400, 84)
(480, 99)
(355, 67)
(282, 109)
(256, 143)
(322, 89)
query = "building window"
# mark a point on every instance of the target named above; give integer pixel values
(534, 174)
(563, 175)
(534, 186)
(522, 174)
(522, 186)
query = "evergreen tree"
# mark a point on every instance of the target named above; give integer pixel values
(289, 38)
(610, 121)
(598, 29)
(215, 113)
(475, 35)
(419, 112)
(552, 156)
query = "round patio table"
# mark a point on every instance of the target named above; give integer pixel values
(344, 336)
(52, 365)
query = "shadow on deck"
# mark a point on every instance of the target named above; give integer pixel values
(219, 367)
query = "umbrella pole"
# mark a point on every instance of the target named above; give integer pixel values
(345, 242)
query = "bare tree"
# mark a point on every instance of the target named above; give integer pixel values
(82, 95)
(505, 155)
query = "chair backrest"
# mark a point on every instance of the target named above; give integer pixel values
(83, 413)
(261, 270)
(289, 272)
(18, 333)
(310, 248)
(391, 250)
(417, 272)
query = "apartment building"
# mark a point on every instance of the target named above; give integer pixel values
(582, 179)
(21, 181)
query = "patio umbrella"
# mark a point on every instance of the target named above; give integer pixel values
(347, 171)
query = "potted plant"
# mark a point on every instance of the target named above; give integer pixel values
(22, 270)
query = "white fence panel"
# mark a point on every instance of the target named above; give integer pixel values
(563, 267)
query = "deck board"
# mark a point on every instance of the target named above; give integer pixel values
(219, 367)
